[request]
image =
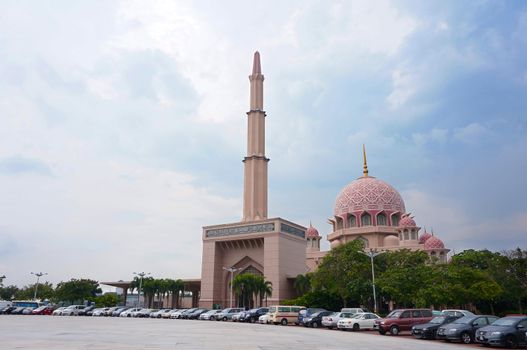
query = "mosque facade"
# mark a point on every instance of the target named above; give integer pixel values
(367, 209)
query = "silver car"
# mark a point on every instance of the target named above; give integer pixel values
(331, 321)
(226, 314)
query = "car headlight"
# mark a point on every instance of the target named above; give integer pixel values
(452, 330)
(495, 333)
(382, 322)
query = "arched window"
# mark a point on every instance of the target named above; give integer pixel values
(339, 224)
(413, 235)
(406, 237)
(365, 219)
(381, 220)
(395, 219)
(352, 221)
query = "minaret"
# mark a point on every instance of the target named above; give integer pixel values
(365, 166)
(255, 163)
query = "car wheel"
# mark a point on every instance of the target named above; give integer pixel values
(253, 320)
(356, 327)
(466, 338)
(315, 324)
(224, 319)
(211, 318)
(511, 342)
(329, 327)
(394, 330)
(283, 322)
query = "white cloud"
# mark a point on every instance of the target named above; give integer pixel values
(472, 133)
(436, 135)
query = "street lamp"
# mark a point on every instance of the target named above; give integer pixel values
(38, 274)
(372, 254)
(232, 270)
(141, 275)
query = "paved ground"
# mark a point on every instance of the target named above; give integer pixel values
(57, 333)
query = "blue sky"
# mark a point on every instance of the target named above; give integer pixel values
(123, 123)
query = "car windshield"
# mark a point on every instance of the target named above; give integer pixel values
(316, 314)
(464, 320)
(394, 314)
(505, 322)
(438, 320)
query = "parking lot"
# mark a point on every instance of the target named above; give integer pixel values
(42, 332)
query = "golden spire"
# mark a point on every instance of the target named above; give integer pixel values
(365, 168)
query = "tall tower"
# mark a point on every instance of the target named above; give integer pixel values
(255, 163)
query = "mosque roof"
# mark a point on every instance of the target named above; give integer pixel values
(407, 221)
(424, 237)
(434, 243)
(312, 232)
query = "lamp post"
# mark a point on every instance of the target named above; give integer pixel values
(372, 254)
(141, 275)
(38, 274)
(232, 270)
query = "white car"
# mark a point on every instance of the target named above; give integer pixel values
(265, 319)
(72, 310)
(169, 313)
(365, 320)
(177, 314)
(159, 313)
(209, 315)
(128, 313)
(58, 311)
(456, 312)
(100, 311)
(332, 320)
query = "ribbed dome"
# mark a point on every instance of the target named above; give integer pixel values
(368, 193)
(391, 241)
(434, 243)
(312, 232)
(424, 237)
(407, 221)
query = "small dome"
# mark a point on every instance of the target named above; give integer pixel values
(312, 232)
(391, 241)
(424, 237)
(407, 221)
(434, 243)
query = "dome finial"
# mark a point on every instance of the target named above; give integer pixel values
(365, 167)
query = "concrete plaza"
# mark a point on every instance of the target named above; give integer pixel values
(46, 332)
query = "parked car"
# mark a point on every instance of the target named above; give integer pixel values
(27, 311)
(429, 330)
(187, 312)
(100, 311)
(58, 312)
(83, 312)
(43, 310)
(72, 310)
(252, 315)
(168, 314)
(195, 314)
(265, 318)
(143, 313)
(464, 329)
(304, 313)
(119, 311)
(226, 314)
(356, 322)
(129, 312)
(456, 312)
(159, 313)
(510, 331)
(236, 316)
(209, 315)
(315, 320)
(402, 320)
(331, 321)
(17, 310)
(177, 314)
(7, 310)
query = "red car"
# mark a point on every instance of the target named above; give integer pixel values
(43, 310)
(402, 320)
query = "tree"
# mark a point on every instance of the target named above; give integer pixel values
(77, 290)
(8, 293)
(107, 300)
(45, 291)
(302, 284)
(345, 271)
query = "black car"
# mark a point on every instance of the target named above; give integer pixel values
(510, 331)
(429, 330)
(253, 315)
(7, 310)
(306, 313)
(464, 329)
(195, 315)
(315, 320)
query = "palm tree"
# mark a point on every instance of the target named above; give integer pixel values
(265, 290)
(250, 288)
(302, 284)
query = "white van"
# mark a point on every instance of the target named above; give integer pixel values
(353, 310)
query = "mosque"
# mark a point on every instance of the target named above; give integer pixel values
(367, 209)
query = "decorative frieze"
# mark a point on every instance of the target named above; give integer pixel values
(292, 230)
(240, 230)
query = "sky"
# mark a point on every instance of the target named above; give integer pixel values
(122, 124)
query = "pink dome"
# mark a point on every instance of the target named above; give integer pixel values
(407, 221)
(312, 232)
(434, 243)
(424, 237)
(368, 193)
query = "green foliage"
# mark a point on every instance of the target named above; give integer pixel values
(77, 290)
(107, 300)
(320, 299)
(45, 291)
(302, 283)
(8, 292)
(251, 288)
